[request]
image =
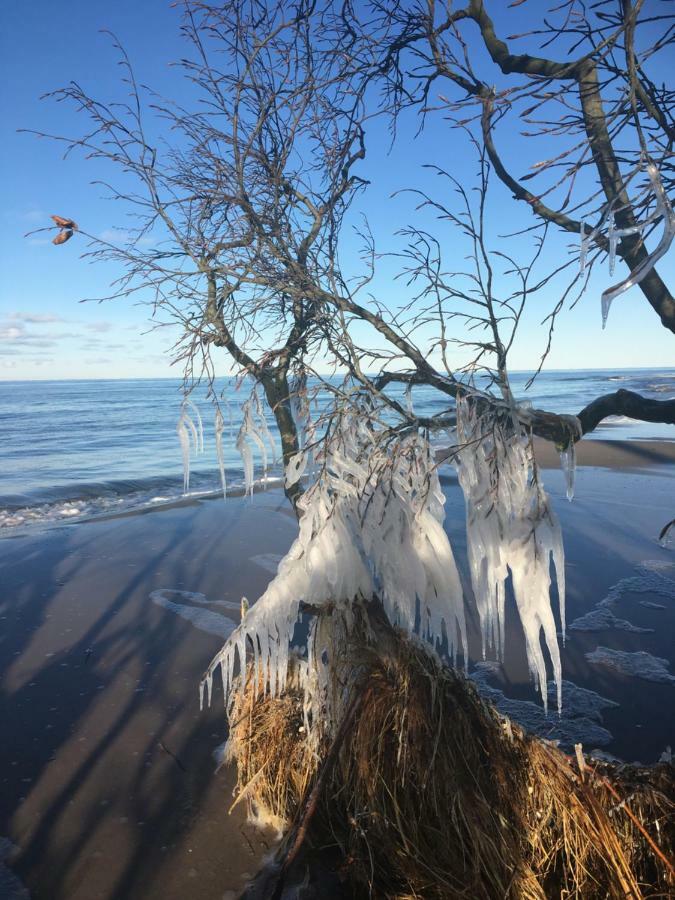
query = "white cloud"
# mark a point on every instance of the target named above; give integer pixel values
(99, 327)
(12, 332)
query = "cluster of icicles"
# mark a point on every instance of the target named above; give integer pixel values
(372, 526)
(253, 432)
(662, 210)
(511, 528)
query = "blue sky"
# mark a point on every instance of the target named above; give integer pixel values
(45, 332)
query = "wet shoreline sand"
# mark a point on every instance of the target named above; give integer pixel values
(108, 778)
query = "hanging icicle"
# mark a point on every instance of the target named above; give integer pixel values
(511, 530)
(663, 210)
(219, 428)
(568, 455)
(189, 434)
(250, 432)
(568, 465)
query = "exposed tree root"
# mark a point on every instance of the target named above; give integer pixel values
(423, 790)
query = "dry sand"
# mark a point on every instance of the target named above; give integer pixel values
(108, 784)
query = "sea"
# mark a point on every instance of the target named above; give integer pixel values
(73, 450)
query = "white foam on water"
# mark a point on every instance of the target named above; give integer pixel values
(267, 561)
(636, 664)
(19, 520)
(579, 722)
(650, 579)
(203, 619)
(601, 619)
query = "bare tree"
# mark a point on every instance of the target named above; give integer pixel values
(239, 239)
(595, 98)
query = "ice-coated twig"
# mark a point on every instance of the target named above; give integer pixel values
(663, 210)
(263, 428)
(219, 429)
(408, 399)
(249, 432)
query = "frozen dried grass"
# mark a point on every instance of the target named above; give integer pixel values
(431, 794)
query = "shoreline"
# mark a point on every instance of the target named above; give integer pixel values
(614, 454)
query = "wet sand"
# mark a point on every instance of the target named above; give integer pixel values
(611, 454)
(108, 782)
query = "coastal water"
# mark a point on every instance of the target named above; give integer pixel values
(74, 449)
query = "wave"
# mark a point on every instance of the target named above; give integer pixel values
(80, 502)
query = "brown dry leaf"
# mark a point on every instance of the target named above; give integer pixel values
(65, 223)
(63, 236)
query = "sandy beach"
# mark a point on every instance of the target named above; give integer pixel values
(109, 788)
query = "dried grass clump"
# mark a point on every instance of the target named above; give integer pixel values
(429, 793)
(274, 769)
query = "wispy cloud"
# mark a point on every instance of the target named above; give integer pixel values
(17, 340)
(35, 318)
(33, 216)
(99, 327)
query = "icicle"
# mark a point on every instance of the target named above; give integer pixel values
(188, 433)
(266, 434)
(199, 444)
(219, 429)
(568, 463)
(663, 209)
(408, 399)
(511, 530)
(184, 438)
(246, 454)
(568, 454)
(248, 431)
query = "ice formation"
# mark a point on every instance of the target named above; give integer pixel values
(371, 525)
(254, 431)
(219, 429)
(190, 433)
(511, 529)
(663, 210)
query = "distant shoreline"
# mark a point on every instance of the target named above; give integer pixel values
(178, 379)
